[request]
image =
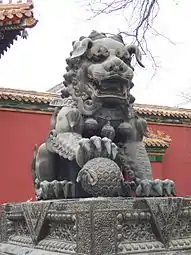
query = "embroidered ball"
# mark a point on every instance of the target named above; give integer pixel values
(100, 177)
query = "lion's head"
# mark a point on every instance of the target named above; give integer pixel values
(99, 71)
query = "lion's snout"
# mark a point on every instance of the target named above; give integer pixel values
(113, 66)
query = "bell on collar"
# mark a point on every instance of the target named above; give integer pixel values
(91, 124)
(108, 131)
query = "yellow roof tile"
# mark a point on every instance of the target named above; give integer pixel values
(46, 97)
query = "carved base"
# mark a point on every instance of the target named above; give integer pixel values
(97, 226)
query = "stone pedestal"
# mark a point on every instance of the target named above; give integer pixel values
(97, 226)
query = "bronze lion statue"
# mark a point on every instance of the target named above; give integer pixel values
(95, 141)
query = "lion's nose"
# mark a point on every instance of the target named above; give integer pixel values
(114, 68)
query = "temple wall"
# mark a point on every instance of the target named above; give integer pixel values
(21, 130)
(177, 159)
(157, 170)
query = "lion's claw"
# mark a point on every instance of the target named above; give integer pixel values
(56, 190)
(96, 141)
(156, 188)
(95, 147)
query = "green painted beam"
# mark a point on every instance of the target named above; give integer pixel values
(156, 158)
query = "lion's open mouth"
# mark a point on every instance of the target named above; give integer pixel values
(112, 87)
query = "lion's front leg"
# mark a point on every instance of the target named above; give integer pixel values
(55, 171)
(45, 164)
(43, 168)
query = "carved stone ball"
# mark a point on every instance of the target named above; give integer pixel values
(100, 177)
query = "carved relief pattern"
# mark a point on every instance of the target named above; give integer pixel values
(137, 232)
(84, 230)
(134, 232)
(65, 232)
(21, 228)
(35, 214)
(182, 228)
(64, 145)
(103, 226)
(100, 226)
(140, 248)
(46, 244)
(165, 213)
(3, 226)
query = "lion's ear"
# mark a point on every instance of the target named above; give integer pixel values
(80, 47)
(133, 49)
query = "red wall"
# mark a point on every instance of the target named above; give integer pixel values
(177, 160)
(20, 131)
(157, 168)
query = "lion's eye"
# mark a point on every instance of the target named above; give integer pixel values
(126, 55)
(99, 55)
(102, 51)
(105, 52)
(120, 53)
(126, 58)
(97, 58)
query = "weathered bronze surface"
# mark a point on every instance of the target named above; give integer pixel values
(94, 131)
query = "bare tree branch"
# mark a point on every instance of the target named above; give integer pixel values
(140, 25)
(186, 98)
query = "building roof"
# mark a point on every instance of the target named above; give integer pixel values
(155, 143)
(26, 96)
(15, 16)
(148, 111)
(163, 111)
(155, 139)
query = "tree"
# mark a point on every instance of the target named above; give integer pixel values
(140, 22)
(185, 98)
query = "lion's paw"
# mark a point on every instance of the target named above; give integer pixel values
(56, 189)
(95, 147)
(156, 188)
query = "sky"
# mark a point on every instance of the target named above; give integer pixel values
(38, 63)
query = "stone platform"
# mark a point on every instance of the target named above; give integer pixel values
(98, 226)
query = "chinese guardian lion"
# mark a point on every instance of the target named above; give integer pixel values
(95, 146)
